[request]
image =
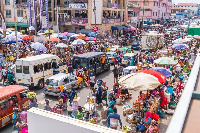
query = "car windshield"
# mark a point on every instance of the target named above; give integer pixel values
(126, 57)
(135, 43)
(52, 82)
(108, 55)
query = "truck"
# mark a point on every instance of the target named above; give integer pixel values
(194, 31)
(152, 40)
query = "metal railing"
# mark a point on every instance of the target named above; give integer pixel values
(180, 115)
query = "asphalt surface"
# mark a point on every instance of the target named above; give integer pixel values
(107, 77)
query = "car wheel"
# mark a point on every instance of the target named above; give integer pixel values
(41, 84)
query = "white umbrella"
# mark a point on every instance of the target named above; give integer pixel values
(75, 35)
(165, 61)
(79, 42)
(139, 81)
(62, 45)
(31, 28)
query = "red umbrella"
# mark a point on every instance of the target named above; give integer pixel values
(160, 76)
(26, 38)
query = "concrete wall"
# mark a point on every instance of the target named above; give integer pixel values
(41, 121)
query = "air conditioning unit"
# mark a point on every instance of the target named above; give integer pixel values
(20, 19)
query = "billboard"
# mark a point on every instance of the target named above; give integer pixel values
(98, 5)
(78, 5)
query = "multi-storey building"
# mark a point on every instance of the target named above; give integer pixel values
(190, 9)
(153, 10)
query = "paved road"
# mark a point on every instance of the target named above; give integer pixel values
(83, 93)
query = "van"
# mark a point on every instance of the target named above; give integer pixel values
(55, 84)
(10, 97)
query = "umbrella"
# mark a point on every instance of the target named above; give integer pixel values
(160, 76)
(61, 45)
(26, 38)
(81, 36)
(90, 39)
(133, 28)
(39, 46)
(92, 34)
(79, 42)
(54, 39)
(165, 61)
(179, 46)
(70, 34)
(1, 54)
(65, 33)
(51, 31)
(62, 36)
(31, 28)
(136, 81)
(54, 35)
(162, 70)
(74, 35)
(10, 39)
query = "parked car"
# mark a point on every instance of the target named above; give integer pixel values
(135, 45)
(56, 83)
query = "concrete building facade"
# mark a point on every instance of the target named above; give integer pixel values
(190, 9)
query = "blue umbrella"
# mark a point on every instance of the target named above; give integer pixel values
(70, 34)
(92, 34)
(1, 54)
(62, 36)
(39, 46)
(179, 46)
(162, 70)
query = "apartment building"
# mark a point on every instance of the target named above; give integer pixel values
(153, 10)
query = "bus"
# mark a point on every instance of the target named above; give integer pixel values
(33, 71)
(92, 61)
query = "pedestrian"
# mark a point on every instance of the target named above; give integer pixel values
(92, 81)
(4, 75)
(72, 94)
(115, 72)
(47, 106)
(112, 120)
(99, 92)
(75, 106)
(65, 96)
(14, 117)
(110, 109)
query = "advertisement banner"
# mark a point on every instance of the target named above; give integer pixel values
(112, 21)
(78, 21)
(29, 12)
(105, 21)
(78, 5)
(114, 5)
(117, 20)
(34, 17)
(41, 14)
(47, 17)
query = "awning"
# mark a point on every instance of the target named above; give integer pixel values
(118, 28)
(125, 25)
(18, 24)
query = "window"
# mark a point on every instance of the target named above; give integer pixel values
(18, 69)
(26, 69)
(66, 80)
(23, 94)
(156, 13)
(146, 3)
(35, 69)
(153, 13)
(8, 13)
(164, 14)
(154, 4)
(84, 62)
(157, 3)
(8, 102)
(52, 82)
(60, 63)
(19, 13)
(7, 2)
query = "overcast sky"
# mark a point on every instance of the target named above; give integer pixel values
(186, 1)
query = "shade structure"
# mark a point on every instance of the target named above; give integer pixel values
(70, 34)
(132, 28)
(61, 45)
(62, 36)
(78, 42)
(49, 31)
(74, 35)
(162, 70)
(26, 38)
(39, 46)
(65, 33)
(165, 61)
(180, 46)
(54, 39)
(90, 39)
(92, 34)
(160, 76)
(81, 36)
(139, 81)
(9, 39)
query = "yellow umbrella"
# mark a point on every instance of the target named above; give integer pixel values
(47, 31)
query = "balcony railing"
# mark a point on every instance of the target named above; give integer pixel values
(111, 21)
(73, 21)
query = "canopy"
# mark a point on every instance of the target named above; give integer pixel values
(160, 76)
(79, 42)
(92, 34)
(85, 31)
(136, 81)
(39, 46)
(9, 39)
(179, 46)
(81, 36)
(26, 38)
(165, 61)
(90, 39)
(162, 70)
(65, 33)
(61, 45)
(70, 34)
(118, 27)
(54, 39)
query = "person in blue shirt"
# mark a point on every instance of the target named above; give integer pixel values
(112, 120)
(112, 101)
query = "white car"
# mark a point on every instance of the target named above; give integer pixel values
(114, 48)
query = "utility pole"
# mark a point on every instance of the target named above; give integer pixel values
(95, 19)
(16, 30)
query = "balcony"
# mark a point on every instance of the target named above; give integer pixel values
(72, 21)
(111, 21)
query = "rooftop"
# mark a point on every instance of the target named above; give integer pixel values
(187, 4)
(37, 57)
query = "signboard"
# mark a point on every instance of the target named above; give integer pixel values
(78, 5)
(114, 5)
(78, 21)
(95, 29)
(111, 21)
(40, 38)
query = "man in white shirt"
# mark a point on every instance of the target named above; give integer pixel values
(92, 81)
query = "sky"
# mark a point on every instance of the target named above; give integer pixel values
(186, 1)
